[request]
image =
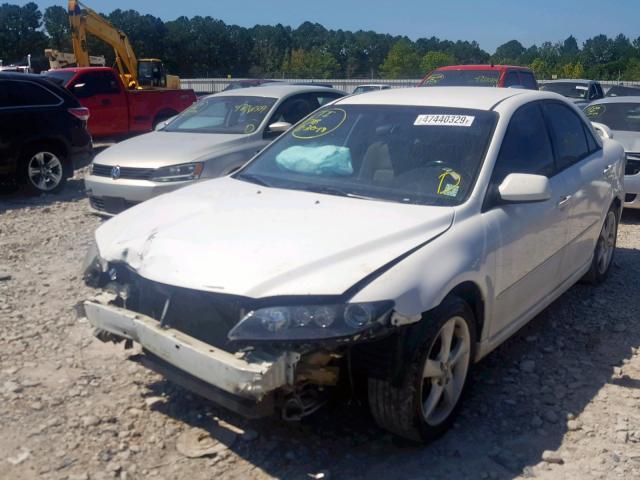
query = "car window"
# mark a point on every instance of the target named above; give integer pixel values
(527, 80)
(617, 116)
(591, 142)
(511, 79)
(526, 147)
(568, 134)
(405, 154)
(96, 83)
(462, 78)
(294, 109)
(233, 114)
(25, 94)
(325, 97)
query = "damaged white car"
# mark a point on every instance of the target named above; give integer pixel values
(392, 238)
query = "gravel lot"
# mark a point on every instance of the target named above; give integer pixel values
(559, 400)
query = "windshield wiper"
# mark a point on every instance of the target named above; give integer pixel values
(249, 177)
(336, 191)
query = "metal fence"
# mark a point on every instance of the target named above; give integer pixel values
(214, 85)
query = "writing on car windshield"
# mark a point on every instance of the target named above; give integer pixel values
(416, 155)
(462, 78)
(223, 114)
(617, 116)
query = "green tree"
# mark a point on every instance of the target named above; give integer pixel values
(434, 59)
(540, 68)
(20, 32)
(403, 61)
(310, 64)
(509, 52)
(56, 24)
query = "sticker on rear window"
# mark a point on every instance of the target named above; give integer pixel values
(593, 111)
(444, 120)
(580, 87)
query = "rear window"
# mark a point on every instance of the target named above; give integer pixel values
(25, 94)
(620, 91)
(462, 78)
(568, 89)
(61, 77)
(616, 116)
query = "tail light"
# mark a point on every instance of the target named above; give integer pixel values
(81, 113)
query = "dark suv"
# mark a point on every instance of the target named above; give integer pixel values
(42, 132)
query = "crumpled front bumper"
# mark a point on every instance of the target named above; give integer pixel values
(238, 378)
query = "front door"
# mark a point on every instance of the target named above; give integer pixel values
(101, 92)
(527, 240)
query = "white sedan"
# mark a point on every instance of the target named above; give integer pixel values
(395, 237)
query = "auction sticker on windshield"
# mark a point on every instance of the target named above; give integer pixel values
(320, 123)
(444, 120)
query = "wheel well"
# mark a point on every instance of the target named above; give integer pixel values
(617, 204)
(470, 293)
(51, 143)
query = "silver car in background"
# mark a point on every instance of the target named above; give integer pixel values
(212, 138)
(580, 92)
(622, 116)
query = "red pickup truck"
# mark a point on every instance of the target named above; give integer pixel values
(116, 110)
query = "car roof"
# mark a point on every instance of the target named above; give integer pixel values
(479, 98)
(81, 69)
(482, 67)
(621, 99)
(568, 80)
(275, 90)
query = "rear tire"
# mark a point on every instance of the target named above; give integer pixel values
(44, 169)
(425, 403)
(605, 249)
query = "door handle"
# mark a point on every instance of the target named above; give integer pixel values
(106, 101)
(564, 200)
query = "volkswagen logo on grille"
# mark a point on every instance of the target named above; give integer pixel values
(115, 172)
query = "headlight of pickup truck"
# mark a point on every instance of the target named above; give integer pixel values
(313, 322)
(178, 173)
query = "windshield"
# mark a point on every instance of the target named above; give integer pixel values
(620, 91)
(462, 78)
(223, 114)
(416, 155)
(61, 77)
(567, 89)
(616, 116)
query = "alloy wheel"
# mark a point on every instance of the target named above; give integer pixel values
(45, 171)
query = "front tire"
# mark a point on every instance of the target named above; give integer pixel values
(44, 169)
(605, 249)
(425, 403)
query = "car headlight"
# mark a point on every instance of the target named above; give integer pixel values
(178, 173)
(313, 322)
(93, 266)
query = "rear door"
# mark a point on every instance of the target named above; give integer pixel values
(581, 162)
(101, 92)
(527, 239)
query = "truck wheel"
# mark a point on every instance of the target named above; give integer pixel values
(425, 403)
(44, 169)
(605, 249)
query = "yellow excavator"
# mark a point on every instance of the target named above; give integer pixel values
(135, 73)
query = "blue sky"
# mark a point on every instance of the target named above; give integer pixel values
(490, 22)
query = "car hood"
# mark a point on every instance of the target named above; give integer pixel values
(629, 140)
(158, 149)
(230, 236)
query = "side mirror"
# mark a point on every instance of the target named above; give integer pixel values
(602, 130)
(524, 188)
(80, 90)
(279, 127)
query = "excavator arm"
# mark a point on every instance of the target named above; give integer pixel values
(83, 20)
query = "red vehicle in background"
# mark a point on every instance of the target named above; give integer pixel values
(116, 110)
(481, 76)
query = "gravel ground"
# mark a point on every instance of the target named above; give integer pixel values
(561, 399)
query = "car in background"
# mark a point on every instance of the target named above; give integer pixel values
(118, 111)
(390, 239)
(580, 92)
(247, 83)
(481, 76)
(622, 116)
(370, 88)
(43, 133)
(622, 91)
(210, 139)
